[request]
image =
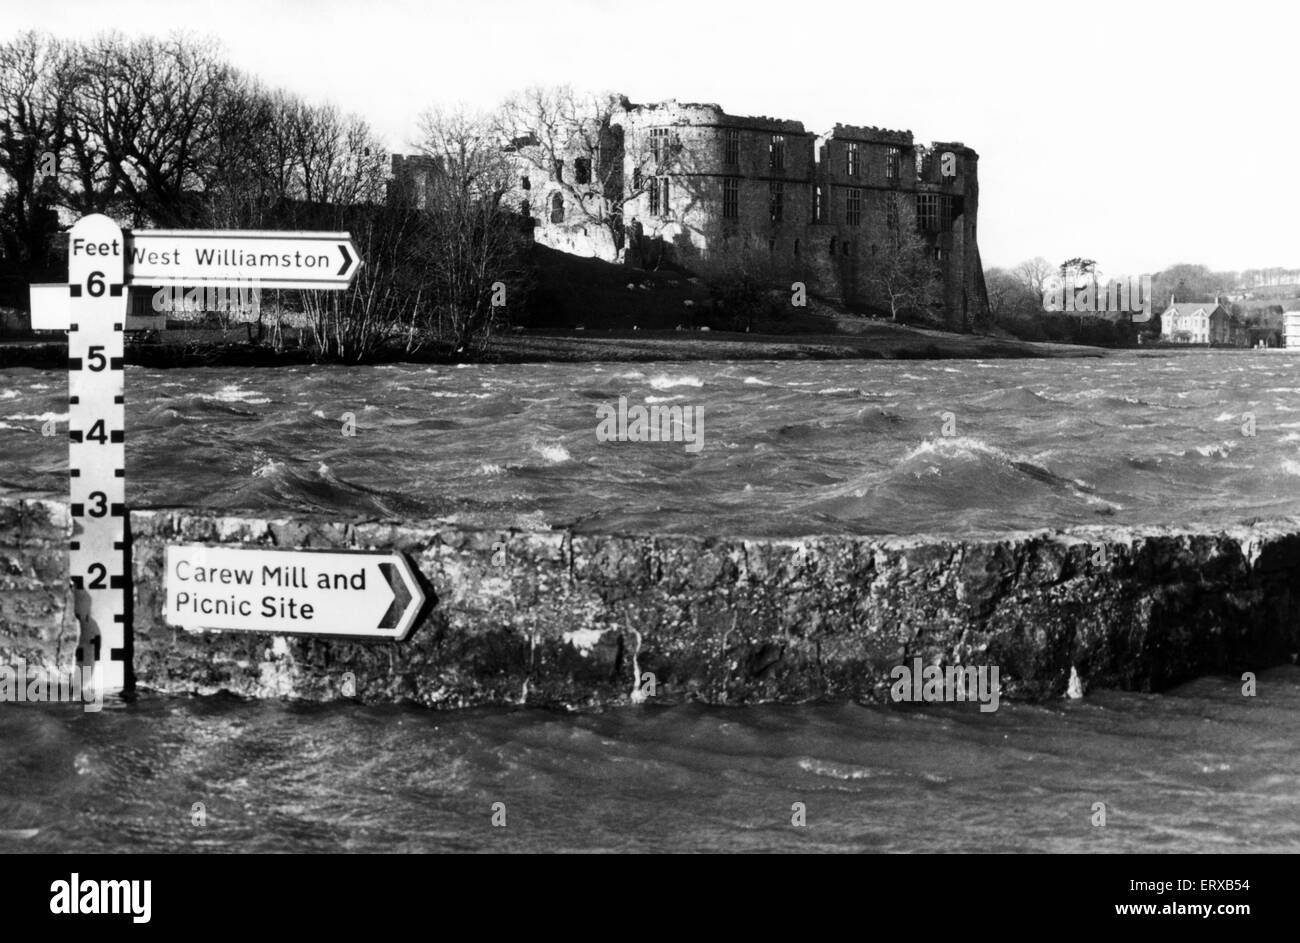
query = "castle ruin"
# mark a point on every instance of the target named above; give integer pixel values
(704, 189)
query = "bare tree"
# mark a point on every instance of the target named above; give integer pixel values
(1032, 272)
(903, 272)
(383, 303)
(34, 91)
(579, 140)
(474, 274)
(144, 125)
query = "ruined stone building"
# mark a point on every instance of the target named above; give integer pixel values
(706, 190)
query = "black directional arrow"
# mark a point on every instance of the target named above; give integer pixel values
(347, 260)
(401, 596)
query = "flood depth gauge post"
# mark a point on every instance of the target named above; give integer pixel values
(98, 563)
(103, 261)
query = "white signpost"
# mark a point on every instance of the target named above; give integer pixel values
(102, 262)
(265, 259)
(338, 593)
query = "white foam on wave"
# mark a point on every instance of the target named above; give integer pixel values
(555, 454)
(489, 468)
(958, 447)
(662, 399)
(1291, 467)
(9, 394)
(231, 393)
(755, 381)
(43, 417)
(268, 468)
(836, 770)
(665, 382)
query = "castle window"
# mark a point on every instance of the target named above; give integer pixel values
(796, 248)
(844, 248)
(559, 171)
(892, 214)
(817, 204)
(776, 200)
(927, 212)
(851, 158)
(776, 152)
(658, 190)
(636, 179)
(731, 148)
(525, 183)
(893, 163)
(731, 198)
(832, 245)
(853, 210)
(557, 208)
(582, 170)
(659, 143)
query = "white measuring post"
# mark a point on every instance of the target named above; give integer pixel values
(98, 561)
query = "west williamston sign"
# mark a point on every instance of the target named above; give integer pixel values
(264, 259)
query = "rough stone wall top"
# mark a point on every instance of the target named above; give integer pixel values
(855, 132)
(690, 113)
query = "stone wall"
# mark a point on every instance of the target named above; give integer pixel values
(553, 617)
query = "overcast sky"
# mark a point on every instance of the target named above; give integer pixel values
(1137, 134)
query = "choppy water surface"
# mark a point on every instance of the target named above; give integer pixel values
(1200, 768)
(789, 448)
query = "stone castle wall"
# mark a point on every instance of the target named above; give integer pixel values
(825, 248)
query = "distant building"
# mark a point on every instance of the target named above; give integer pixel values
(1201, 322)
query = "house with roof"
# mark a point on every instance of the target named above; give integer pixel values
(1200, 322)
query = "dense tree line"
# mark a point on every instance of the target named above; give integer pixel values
(164, 133)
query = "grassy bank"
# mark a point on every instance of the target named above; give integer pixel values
(862, 340)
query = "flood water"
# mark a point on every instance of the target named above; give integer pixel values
(1199, 768)
(789, 448)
